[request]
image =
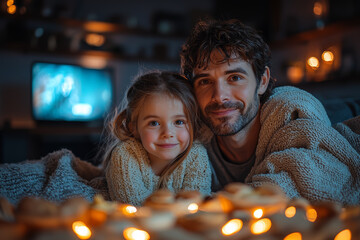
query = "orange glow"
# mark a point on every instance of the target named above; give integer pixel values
(128, 210)
(94, 39)
(311, 214)
(94, 26)
(327, 56)
(81, 230)
(231, 227)
(293, 236)
(318, 9)
(135, 234)
(343, 235)
(290, 212)
(261, 226)
(9, 3)
(313, 62)
(258, 213)
(193, 208)
(295, 74)
(11, 9)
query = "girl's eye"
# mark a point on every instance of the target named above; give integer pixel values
(153, 123)
(179, 122)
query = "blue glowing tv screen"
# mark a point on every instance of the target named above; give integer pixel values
(70, 93)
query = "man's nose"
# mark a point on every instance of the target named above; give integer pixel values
(221, 92)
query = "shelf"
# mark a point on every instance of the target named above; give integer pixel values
(329, 30)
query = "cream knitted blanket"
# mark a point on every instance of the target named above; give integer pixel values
(57, 176)
(300, 151)
(131, 180)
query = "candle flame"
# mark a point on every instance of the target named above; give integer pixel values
(261, 226)
(290, 212)
(293, 236)
(343, 235)
(193, 208)
(135, 234)
(81, 230)
(311, 214)
(231, 227)
(258, 213)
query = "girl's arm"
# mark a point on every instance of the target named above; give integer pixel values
(197, 171)
(128, 181)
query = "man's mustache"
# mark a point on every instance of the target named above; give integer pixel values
(226, 105)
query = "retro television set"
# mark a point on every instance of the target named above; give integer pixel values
(66, 93)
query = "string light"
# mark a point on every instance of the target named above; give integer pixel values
(231, 227)
(327, 56)
(313, 62)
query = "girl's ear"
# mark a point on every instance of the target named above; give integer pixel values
(264, 81)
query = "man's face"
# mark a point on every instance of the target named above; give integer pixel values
(227, 94)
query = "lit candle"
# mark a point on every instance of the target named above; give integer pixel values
(135, 234)
(81, 230)
(231, 227)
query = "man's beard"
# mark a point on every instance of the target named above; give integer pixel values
(225, 128)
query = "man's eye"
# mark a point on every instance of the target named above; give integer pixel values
(179, 122)
(235, 78)
(153, 123)
(202, 82)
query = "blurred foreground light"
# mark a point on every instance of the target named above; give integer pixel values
(128, 210)
(193, 208)
(327, 56)
(313, 62)
(9, 2)
(261, 226)
(343, 235)
(290, 212)
(231, 227)
(81, 230)
(293, 236)
(258, 213)
(135, 234)
(311, 214)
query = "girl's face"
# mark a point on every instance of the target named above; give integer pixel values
(163, 128)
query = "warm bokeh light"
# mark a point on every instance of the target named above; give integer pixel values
(128, 210)
(290, 212)
(11, 9)
(94, 39)
(313, 62)
(293, 236)
(231, 227)
(258, 213)
(311, 214)
(9, 2)
(135, 234)
(261, 226)
(318, 9)
(81, 230)
(343, 235)
(327, 56)
(295, 74)
(193, 208)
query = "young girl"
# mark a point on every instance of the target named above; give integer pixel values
(152, 145)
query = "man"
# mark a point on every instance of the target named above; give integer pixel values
(282, 137)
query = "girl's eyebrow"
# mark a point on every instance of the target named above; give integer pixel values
(154, 116)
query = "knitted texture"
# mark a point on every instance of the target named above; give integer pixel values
(300, 151)
(131, 180)
(55, 177)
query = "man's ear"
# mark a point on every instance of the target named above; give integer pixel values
(264, 81)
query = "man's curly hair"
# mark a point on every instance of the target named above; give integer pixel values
(229, 37)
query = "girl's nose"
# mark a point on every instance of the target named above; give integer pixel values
(168, 132)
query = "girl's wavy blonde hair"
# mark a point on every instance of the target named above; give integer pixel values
(120, 125)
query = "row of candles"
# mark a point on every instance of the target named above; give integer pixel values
(234, 227)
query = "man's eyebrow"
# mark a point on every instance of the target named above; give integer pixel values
(237, 70)
(197, 76)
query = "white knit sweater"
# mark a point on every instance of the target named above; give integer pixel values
(300, 151)
(131, 180)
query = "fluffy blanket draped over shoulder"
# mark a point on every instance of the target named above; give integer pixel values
(300, 151)
(56, 177)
